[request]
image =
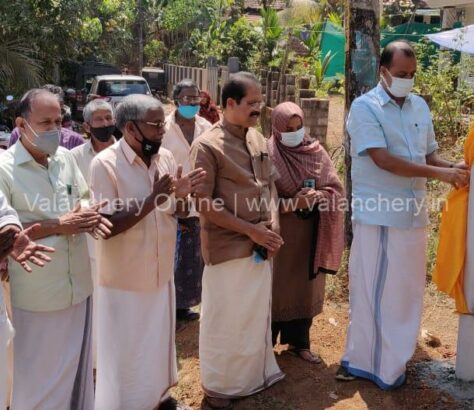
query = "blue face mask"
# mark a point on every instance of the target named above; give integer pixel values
(188, 111)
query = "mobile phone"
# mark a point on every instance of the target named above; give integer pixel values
(309, 183)
(261, 253)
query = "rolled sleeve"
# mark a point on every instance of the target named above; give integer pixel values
(8, 215)
(103, 187)
(169, 206)
(432, 145)
(364, 129)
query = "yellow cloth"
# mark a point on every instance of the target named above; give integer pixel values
(448, 273)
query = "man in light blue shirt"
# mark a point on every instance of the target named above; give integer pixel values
(394, 151)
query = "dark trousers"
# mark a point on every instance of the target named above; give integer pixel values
(292, 332)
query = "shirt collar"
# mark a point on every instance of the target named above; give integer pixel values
(89, 147)
(235, 130)
(383, 96)
(22, 155)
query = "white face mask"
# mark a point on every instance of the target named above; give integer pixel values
(401, 87)
(293, 138)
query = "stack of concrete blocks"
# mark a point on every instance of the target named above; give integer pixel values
(263, 82)
(289, 88)
(304, 88)
(316, 115)
(274, 88)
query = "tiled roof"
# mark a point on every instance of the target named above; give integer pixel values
(256, 5)
(297, 46)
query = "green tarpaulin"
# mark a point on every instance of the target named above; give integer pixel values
(333, 40)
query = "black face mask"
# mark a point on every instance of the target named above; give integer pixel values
(149, 147)
(103, 134)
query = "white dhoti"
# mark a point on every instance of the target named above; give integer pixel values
(93, 260)
(6, 359)
(465, 350)
(136, 353)
(235, 343)
(387, 270)
(52, 366)
(6, 334)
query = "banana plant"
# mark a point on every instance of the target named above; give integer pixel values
(272, 31)
(320, 68)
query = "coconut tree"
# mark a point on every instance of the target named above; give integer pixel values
(18, 69)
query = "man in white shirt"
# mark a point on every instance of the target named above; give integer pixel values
(99, 123)
(51, 308)
(136, 354)
(182, 127)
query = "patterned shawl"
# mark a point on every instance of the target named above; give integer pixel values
(208, 109)
(310, 161)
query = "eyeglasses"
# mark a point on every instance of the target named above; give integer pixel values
(256, 105)
(160, 124)
(191, 99)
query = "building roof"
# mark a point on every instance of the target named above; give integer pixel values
(447, 3)
(256, 5)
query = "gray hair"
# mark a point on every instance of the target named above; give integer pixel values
(93, 106)
(134, 108)
(186, 83)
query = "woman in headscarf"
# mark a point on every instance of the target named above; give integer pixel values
(311, 225)
(208, 109)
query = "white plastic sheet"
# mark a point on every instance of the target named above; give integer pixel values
(459, 39)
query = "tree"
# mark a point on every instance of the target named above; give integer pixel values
(362, 61)
(18, 70)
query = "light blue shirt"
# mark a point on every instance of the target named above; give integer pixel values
(380, 197)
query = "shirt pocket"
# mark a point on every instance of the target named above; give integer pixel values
(421, 138)
(263, 167)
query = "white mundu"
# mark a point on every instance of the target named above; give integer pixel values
(465, 351)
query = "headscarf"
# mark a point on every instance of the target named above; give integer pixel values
(310, 161)
(208, 108)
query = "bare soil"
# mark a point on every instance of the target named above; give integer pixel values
(313, 387)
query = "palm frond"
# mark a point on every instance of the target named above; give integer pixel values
(17, 65)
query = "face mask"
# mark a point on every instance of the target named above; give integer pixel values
(46, 141)
(293, 139)
(188, 111)
(401, 87)
(102, 134)
(149, 147)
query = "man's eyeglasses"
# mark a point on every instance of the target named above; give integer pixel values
(190, 99)
(256, 105)
(159, 124)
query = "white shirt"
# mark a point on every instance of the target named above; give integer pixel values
(38, 193)
(140, 259)
(175, 141)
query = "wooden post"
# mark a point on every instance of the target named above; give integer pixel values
(362, 28)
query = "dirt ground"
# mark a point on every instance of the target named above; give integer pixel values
(313, 387)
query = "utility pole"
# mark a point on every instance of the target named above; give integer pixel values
(362, 28)
(140, 36)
